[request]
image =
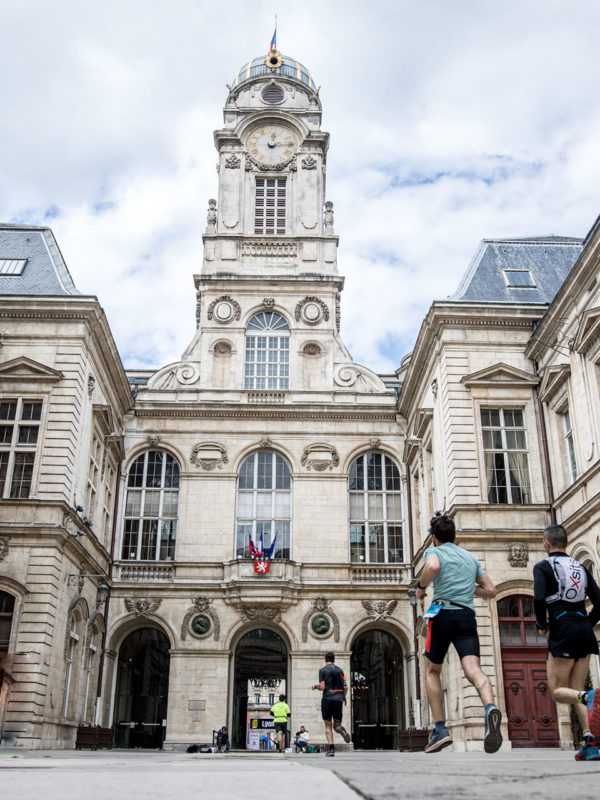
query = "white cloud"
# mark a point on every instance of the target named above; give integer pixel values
(449, 122)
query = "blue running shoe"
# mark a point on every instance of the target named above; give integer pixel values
(493, 736)
(587, 752)
(439, 739)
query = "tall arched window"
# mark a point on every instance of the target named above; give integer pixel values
(267, 352)
(375, 510)
(7, 607)
(264, 503)
(151, 504)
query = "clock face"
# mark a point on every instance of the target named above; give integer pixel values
(271, 144)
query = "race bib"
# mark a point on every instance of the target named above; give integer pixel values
(433, 610)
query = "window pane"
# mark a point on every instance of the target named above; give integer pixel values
(527, 603)
(6, 432)
(154, 468)
(245, 504)
(170, 503)
(374, 478)
(392, 476)
(8, 409)
(242, 544)
(133, 503)
(149, 537)
(246, 475)
(136, 472)
(376, 544)
(28, 434)
(151, 504)
(357, 508)
(375, 506)
(394, 506)
(357, 543)
(264, 504)
(282, 504)
(395, 545)
(22, 475)
(32, 411)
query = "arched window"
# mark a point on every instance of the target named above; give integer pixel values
(375, 510)
(151, 504)
(7, 607)
(71, 652)
(267, 352)
(264, 503)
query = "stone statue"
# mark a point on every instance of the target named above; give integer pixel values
(211, 217)
(328, 217)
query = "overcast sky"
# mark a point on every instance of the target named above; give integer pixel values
(450, 121)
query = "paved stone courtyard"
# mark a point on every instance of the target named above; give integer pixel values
(150, 775)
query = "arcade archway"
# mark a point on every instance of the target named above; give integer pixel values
(260, 671)
(142, 689)
(377, 674)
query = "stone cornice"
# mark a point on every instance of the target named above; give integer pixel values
(458, 315)
(268, 412)
(553, 379)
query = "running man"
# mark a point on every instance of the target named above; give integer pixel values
(457, 577)
(280, 713)
(560, 586)
(332, 682)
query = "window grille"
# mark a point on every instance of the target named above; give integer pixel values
(269, 209)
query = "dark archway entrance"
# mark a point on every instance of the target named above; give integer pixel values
(530, 709)
(142, 689)
(377, 666)
(261, 660)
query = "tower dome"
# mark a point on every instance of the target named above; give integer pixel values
(274, 65)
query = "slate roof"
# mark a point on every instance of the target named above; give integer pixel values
(549, 259)
(45, 272)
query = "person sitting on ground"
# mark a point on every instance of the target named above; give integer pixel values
(301, 739)
(223, 740)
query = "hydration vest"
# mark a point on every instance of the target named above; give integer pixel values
(571, 578)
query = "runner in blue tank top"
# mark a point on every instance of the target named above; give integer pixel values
(457, 577)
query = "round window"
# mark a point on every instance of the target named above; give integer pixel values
(272, 95)
(223, 312)
(200, 625)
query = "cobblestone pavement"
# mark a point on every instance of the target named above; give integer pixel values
(150, 775)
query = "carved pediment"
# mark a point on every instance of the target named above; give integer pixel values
(25, 369)
(500, 374)
(552, 380)
(422, 422)
(589, 330)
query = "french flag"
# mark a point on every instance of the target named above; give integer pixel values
(273, 41)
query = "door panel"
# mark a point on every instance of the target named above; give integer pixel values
(530, 709)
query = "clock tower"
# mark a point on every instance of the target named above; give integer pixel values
(268, 291)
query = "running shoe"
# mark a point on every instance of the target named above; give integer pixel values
(493, 737)
(330, 753)
(587, 752)
(593, 707)
(344, 734)
(438, 739)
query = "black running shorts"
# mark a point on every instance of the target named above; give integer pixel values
(457, 627)
(332, 709)
(573, 638)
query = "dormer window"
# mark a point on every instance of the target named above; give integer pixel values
(519, 279)
(12, 266)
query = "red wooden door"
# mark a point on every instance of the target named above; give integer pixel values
(530, 709)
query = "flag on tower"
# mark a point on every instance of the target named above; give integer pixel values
(274, 40)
